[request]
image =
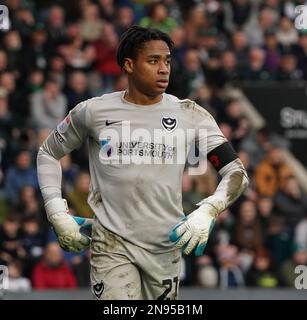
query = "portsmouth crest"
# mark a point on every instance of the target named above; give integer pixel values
(98, 289)
(169, 124)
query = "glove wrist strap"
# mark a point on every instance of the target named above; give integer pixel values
(56, 205)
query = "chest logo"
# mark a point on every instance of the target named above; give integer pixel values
(109, 123)
(169, 124)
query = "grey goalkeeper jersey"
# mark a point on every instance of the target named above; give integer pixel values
(135, 159)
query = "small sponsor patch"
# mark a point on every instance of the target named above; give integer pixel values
(63, 126)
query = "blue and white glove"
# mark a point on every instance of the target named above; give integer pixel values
(72, 232)
(194, 230)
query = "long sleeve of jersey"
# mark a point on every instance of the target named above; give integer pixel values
(67, 136)
(234, 176)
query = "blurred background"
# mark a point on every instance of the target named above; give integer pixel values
(242, 60)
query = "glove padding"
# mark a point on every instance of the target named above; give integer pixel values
(193, 231)
(72, 232)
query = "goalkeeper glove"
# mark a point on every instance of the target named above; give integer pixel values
(193, 231)
(70, 230)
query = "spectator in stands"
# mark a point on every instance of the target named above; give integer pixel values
(195, 21)
(258, 143)
(278, 240)
(288, 69)
(107, 9)
(105, 50)
(158, 18)
(234, 116)
(193, 73)
(34, 240)
(124, 19)
(286, 34)
(56, 69)
(53, 272)
(17, 283)
(11, 240)
(78, 197)
(261, 273)
(222, 230)
(207, 274)
(14, 49)
(78, 54)
(229, 67)
(265, 206)
(238, 14)
(240, 48)
(20, 175)
(271, 173)
(178, 35)
(28, 204)
(256, 66)
(80, 265)
(37, 50)
(35, 81)
(230, 274)
(190, 193)
(23, 21)
(267, 20)
(56, 26)
(247, 230)
(272, 51)
(76, 91)
(48, 107)
(18, 102)
(291, 202)
(177, 87)
(91, 24)
(70, 172)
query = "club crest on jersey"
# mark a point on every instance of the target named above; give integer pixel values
(63, 126)
(98, 289)
(169, 124)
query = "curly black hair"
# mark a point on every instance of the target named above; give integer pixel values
(133, 40)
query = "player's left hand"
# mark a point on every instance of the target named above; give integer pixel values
(77, 236)
(73, 233)
(193, 231)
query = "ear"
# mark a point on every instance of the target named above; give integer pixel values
(128, 65)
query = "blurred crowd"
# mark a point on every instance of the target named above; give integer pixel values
(59, 53)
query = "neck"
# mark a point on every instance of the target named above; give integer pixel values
(134, 96)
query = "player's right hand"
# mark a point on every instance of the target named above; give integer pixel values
(193, 230)
(67, 227)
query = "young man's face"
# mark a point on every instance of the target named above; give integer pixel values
(149, 71)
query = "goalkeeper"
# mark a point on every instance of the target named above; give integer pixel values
(139, 230)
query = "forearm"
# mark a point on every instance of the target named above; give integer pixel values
(233, 183)
(49, 175)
